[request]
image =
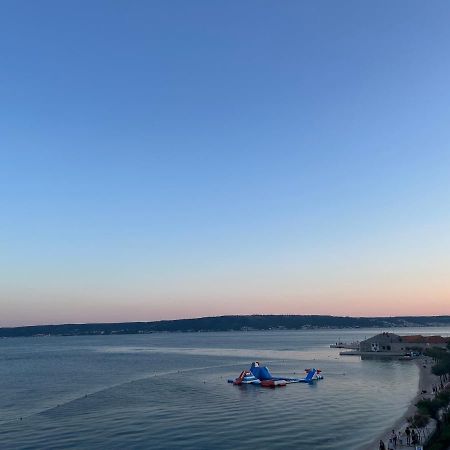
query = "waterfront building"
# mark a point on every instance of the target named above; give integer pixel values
(396, 344)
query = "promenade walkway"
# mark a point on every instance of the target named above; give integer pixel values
(424, 435)
(425, 390)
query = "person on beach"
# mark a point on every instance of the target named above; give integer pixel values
(408, 436)
(382, 446)
(400, 438)
(414, 439)
(394, 438)
(391, 445)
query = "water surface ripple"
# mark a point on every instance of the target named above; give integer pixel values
(168, 391)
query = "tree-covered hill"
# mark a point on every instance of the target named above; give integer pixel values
(226, 323)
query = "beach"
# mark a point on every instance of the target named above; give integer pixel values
(424, 391)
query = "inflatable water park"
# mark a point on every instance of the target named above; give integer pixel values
(261, 376)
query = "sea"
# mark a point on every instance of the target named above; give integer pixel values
(170, 391)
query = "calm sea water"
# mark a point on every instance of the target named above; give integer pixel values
(169, 391)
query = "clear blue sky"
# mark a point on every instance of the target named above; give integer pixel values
(163, 159)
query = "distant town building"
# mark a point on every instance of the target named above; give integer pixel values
(390, 342)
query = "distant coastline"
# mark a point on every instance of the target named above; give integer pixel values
(226, 323)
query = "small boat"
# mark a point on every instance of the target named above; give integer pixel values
(352, 345)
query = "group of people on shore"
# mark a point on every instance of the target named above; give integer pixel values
(396, 440)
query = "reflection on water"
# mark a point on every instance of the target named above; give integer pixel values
(170, 390)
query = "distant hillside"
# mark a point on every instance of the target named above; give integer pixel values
(226, 323)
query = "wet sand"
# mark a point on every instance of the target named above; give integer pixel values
(426, 382)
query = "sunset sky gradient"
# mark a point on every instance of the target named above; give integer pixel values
(193, 158)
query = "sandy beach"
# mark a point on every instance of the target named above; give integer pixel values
(426, 382)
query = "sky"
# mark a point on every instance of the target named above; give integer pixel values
(172, 159)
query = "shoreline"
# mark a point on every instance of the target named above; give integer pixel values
(227, 323)
(425, 382)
